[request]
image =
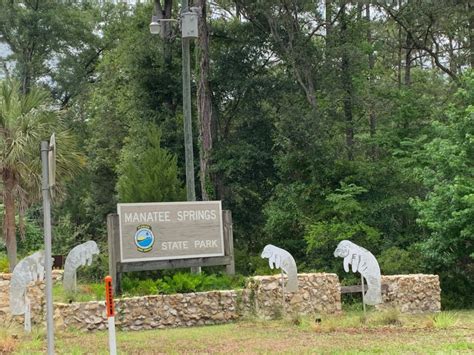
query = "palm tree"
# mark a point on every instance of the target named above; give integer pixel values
(26, 120)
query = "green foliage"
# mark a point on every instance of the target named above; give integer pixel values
(184, 282)
(344, 221)
(260, 266)
(4, 265)
(147, 172)
(33, 238)
(444, 320)
(132, 86)
(135, 287)
(57, 42)
(316, 136)
(444, 165)
(84, 293)
(27, 119)
(180, 283)
(97, 270)
(66, 235)
(242, 166)
(389, 317)
(396, 261)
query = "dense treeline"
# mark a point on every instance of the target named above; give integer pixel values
(314, 121)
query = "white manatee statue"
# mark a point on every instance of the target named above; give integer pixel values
(366, 264)
(80, 255)
(280, 258)
(26, 271)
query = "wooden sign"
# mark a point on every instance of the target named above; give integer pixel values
(171, 230)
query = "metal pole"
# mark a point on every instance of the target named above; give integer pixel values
(283, 293)
(188, 126)
(47, 247)
(27, 314)
(362, 284)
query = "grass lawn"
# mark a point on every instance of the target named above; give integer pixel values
(389, 332)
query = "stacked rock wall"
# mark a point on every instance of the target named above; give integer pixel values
(415, 293)
(35, 294)
(262, 296)
(317, 293)
(149, 312)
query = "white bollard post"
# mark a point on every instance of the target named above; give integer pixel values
(109, 304)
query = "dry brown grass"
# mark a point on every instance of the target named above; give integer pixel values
(8, 342)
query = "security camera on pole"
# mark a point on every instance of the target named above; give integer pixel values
(48, 162)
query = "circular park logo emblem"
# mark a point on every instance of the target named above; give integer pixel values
(144, 238)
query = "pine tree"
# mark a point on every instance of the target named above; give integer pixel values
(148, 172)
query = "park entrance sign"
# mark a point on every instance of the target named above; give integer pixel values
(166, 231)
(169, 235)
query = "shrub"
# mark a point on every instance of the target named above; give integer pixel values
(400, 261)
(97, 270)
(444, 320)
(4, 265)
(180, 283)
(389, 317)
(183, 283)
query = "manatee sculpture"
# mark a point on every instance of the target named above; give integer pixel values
(280, 258)
(80, 255)
(366, 264)
(28, 270)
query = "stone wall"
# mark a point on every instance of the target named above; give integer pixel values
(149, 312)
(262, 296)
(317, 293)
(35, 294)
(415, 293)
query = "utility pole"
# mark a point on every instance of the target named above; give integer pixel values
(188, 123)
(188, 126)
(189, 27)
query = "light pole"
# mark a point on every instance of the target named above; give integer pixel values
(188, 126)
(189, 30)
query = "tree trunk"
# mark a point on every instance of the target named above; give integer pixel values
(328, 19)
(204, 103)
(26, 79)
(238, 11)
(9, 227)
(164, 12)
(409, 48)
(347, 87)
(470, 8)
(452, 57)
(371, 58)
(400, 51)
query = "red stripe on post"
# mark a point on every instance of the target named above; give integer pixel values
(109, 297)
